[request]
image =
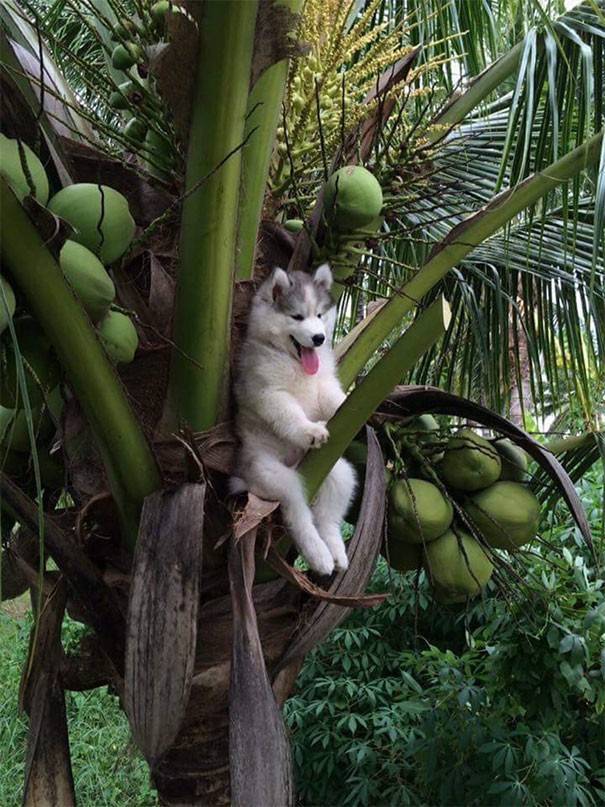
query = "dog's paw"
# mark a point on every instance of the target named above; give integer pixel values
(316, 434)
(341, 561)
(320, 560)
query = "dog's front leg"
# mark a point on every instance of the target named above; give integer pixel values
(287, 419)
(331, 398)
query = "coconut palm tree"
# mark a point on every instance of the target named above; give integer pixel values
(220, 123)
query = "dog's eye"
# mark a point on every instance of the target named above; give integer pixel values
(297, 317)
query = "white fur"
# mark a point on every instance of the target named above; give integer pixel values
(282, 412)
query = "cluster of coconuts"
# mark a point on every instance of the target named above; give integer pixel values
(133, 97)
(352, 205)
(103, 229)
(453, 502)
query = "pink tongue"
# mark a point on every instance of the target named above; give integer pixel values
(309, 359)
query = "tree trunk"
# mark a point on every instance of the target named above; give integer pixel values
(195, 770)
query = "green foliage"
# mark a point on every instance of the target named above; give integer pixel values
(501, 703)
(108, 770)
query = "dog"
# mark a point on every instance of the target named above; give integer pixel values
(286, 389)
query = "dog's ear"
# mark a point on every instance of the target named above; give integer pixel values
(323, 277)
(275, 285)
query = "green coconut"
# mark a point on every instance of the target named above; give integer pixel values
(159, 10)
(123, 98)
(507, 514)
(353, 198)
(423, 511)
(470, 462)
(402, 557)
(135, 130)
(458, 564)
(88, 278)
(125, 55)
(11, 169)
(119, 337)
(294, 225)
(100, 217)
(7, 303)
(514, 461)
(14, 433)
(40, 366)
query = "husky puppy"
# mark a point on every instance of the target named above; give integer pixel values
(286, 389)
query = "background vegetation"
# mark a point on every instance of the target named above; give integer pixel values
(408, 703)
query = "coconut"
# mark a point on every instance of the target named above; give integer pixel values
(294, 225)
(88, 278)
(14, 433)
(11, 169)
(92, 208)
(470, 463)
(458, 563)
(135, 130)
(402, 557)
(159, 10)
(125, 55)
(507, 514)
(7, 303)
(353, 198)
(119, 337)
(41, 368)
(123, 98)
(423, 511)
(514, 461)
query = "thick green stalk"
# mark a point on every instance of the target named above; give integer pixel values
(482, 86)
(130, 464)
(455, 246)
(428, 327)
(262, 117)
(200, 362)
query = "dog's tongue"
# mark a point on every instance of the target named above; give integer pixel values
(309, 359)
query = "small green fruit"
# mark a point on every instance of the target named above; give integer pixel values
(88, 278)
(7, 303)
(458, 563)
(353, 198)
(14, 433)
(418, 511)
(40, 366)
(294, 225)
(159, 10)
(122, 99)
(100, 217)
(514, 461)
(135, 130)
(125, 55)
(119, 337)
(470, 463)
(11, 169)
(507, 514)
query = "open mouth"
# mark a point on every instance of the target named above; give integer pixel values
(309, 357)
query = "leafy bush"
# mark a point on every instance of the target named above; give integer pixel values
(501, 703)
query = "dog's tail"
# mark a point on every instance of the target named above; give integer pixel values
(237, 485)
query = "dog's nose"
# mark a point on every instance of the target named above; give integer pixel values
(319, 339)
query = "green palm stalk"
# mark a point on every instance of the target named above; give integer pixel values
(200, 364)
(262, 116)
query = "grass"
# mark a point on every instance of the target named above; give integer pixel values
(107, 768)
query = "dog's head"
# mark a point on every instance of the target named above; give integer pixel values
(295, 313)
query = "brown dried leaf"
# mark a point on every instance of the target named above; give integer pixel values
(48, 776)
(273, 40)
(162, 616)
(259, 752)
